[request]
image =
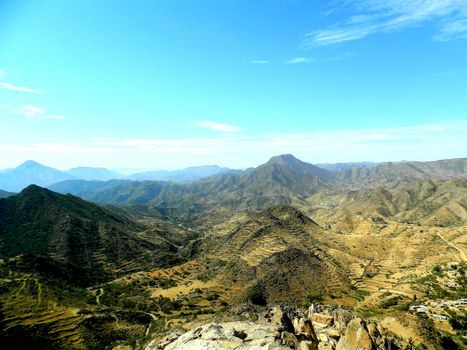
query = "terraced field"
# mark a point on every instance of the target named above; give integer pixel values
(27, 305)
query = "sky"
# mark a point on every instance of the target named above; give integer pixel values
(168, 84)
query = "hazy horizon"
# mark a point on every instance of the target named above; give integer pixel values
(130, 171)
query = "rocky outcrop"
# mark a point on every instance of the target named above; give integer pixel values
(284, 328)
(225, 336)
(356, 337)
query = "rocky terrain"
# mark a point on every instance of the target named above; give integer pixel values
(283, 327)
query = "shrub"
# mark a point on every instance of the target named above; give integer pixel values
(314, 297)
(256, 296)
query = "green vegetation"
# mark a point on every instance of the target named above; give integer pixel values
(314, 297)
(256, 295)
(359, 294)
(390, 302)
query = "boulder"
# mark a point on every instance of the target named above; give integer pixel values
(323, 319)
(341, 318)
(290, 340)
(308, 345)
(228, 336)
(356, 337)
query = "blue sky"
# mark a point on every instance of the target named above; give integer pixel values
(169, 84)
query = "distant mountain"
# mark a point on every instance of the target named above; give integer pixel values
(183, 175)
(275, 182)
(5, 194)
(117, 192)
(271, 183)
(81, 239)
(29, 173)
(88, 173)
(392, 174)
(282, 180)
(424, 202)
(341, 166)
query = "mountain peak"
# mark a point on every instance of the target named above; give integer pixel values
(32, 192)
(29, 164)
(284, 159)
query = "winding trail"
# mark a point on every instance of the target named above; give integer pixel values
(452, 245)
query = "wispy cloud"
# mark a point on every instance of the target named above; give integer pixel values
(341, 56)
(298, 60)
(382, 16)
(34, 112)
(31, 111)
(8, 86)
(207, 124)
(259, 61)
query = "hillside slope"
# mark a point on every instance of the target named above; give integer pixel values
(262, 252)
(73, 235)
(424, 202)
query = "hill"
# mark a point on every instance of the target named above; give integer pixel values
(28, 173)
(5, 194)
(54, 249)
(73, 235)
(392, 174)
(424, 202)
(341, 166)
(273, 256)
(89, 173)
(182, 175)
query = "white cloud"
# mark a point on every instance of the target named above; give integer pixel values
(259, 61)
(8, 86)
(207, 124)
(297, 60)
(34, 112)
(31, 111)
(379, 16)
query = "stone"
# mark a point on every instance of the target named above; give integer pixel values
(341, 318)
(226, 336)
(307, 345)
(356, 337)
(333, 333)
(324, 319)
(373, 330)
(289, 339)
(310, 331)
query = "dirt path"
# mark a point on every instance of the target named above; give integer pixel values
(452, 245)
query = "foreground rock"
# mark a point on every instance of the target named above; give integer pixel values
(230, 335)
(285, 328)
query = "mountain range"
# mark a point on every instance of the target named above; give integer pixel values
(33, 173)
(282, 180)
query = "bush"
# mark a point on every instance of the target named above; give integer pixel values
(315, 297)
(458, 322)
(390, 302)
(212, 297)
(256, 296)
